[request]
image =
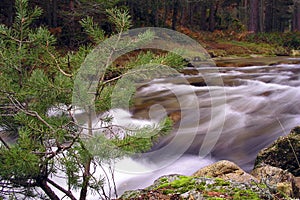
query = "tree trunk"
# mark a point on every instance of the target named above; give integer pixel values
(87, 165)
(183, 8)
(190, 13)
(296, 16)
(154, 13)
(54, 13)
(261, 16)
(212, 15)
(10, 12)
(254, 16)
(49, 11)
(269, 16)
(203, 25)
(86, 179)
(175, 13)
(166, 11)
(242, 12)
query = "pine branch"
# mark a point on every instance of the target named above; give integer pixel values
(20, 107)
(67, 192)
(57, 64)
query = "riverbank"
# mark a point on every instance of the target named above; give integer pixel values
(255, 60)
(245, 44)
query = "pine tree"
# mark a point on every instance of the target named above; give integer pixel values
(40, 139)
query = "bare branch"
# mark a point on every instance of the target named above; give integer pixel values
(20, 107)
(57, 64)
(67, 192)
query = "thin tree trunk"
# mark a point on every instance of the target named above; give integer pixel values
(175, 13)
(156, 20)
(261, 16)
(54, 13)
(243, 12)
(212, 15)
(296, 16)
(154, 13)
(166, 10)
(203, 25)
(49, 13)
(254, 15)
(275, 21)
(269, 16)
(87, 165)
(182, 13)
(190, 13)
(86, 179)
(10, 13)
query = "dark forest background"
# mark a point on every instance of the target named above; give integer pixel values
(62, 16)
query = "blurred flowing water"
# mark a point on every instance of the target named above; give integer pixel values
(257, 104)
(231, 119)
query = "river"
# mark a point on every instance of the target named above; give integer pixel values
(218, 112)
(231, 119)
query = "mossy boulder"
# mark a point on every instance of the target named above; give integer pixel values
(226, 170)
(284, 153)
(191, 187)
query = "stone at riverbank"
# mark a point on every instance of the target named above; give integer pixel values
(226, 170)
(284, 153)
(177, 187)
(280, 179)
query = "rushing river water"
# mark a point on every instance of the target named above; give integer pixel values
(219, 113)
(232, 119)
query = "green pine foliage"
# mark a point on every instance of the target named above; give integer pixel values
(95, 32)
(169, 59)
(36, 79)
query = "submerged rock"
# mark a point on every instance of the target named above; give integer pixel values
(283, 153)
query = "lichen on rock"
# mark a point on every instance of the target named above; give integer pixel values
(226, 170)
(192, 187)
(278, 179)
(283, 153)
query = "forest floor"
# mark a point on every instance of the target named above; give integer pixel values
(233, 44)
(229, 48)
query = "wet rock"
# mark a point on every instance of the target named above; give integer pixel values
(297, 181)
(226, 170)
(284, 153)
(295, 52)
(278, 179)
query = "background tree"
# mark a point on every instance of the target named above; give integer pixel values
(296, 16)
(254, 16)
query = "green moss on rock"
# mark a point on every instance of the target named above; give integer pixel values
(283, 153)
(185, 187)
